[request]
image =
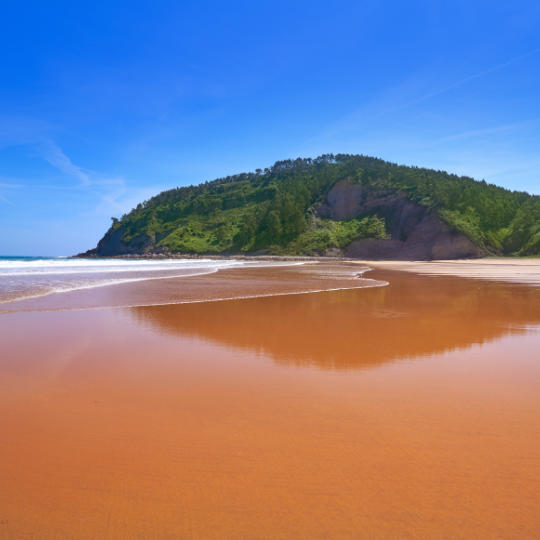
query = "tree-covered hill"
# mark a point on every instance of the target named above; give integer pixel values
(328, 204)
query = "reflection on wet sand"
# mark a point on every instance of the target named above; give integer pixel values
(414, 316)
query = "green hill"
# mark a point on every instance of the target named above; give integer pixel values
(334, 204)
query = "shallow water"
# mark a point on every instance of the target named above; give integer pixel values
(34, 277)
(408, 410)
(189, 282)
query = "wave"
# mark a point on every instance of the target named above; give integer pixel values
(24, 279)
(18, 267)
(104, 283)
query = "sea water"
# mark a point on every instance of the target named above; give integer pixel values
(31, 277)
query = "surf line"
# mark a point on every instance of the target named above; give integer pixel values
(375, 284)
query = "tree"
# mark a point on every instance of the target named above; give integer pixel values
(274, 226)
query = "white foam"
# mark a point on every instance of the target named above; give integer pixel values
(102, 283)
(99, 266)
(26, 279)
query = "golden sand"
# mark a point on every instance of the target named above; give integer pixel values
(495, 269)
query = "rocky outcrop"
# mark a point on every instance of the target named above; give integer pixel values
(112, 244)
(416, 232)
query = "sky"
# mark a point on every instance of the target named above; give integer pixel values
(104, 104)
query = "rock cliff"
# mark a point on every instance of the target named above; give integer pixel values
(416, 232)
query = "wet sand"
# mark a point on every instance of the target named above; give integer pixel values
(402, 411)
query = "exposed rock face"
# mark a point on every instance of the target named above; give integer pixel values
(112, 244)
(415, 231)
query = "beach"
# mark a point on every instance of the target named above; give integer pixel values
(331, 399)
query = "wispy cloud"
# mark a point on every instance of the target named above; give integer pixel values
(8, 186)
(54, 155)
(390, 102)
(5, 200)
(463, 81)
(112, 192)
(485, 132)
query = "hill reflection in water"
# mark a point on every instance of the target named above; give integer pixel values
(414, 316)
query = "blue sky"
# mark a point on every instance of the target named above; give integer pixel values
(104, 104)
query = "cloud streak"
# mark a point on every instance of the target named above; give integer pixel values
(461, 82)
(109, 190)
(4, 185)
(112, 192)
(388, 102)
(10, 186)
(54, 155)
(483, 132)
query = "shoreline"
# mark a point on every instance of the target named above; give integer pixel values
(227, 283)
(319, 258)
(281, 276)
(475, 268)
